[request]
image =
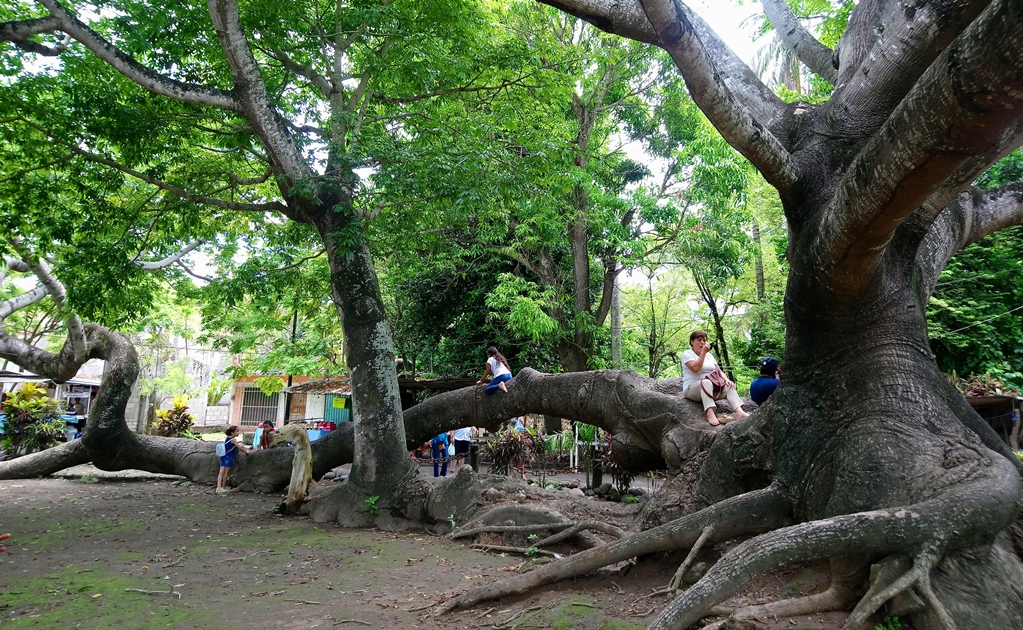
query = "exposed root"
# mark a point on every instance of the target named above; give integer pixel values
(967, 516)
(919, 573)
(509, 529)
(579, 527)
(751, 513)
(676, 581)
(939, 609)
(530, 551)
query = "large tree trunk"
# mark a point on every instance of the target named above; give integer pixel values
(381, 456)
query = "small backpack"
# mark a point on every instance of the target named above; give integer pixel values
(222, 449)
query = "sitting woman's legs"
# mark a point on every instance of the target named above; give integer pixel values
(735, 402)
(698, 391)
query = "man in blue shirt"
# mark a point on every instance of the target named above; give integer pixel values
(765, 384)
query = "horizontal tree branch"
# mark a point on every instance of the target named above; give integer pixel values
(18, 302)
(813, 54)
(316, 79)
(170, 260)
(133, 70)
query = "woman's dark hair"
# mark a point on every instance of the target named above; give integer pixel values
(697, 334)
(492, 352)
(231, 430)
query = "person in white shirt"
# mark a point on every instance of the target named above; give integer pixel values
(498, 366)
(697, 365)
(462, 438)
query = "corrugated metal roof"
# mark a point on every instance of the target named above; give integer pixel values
(342, 385)
(331, 385)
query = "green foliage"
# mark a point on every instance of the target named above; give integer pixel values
(370, 507)
(270, 385)
(219, 385)
(508, 446)
(532, 551)
(174, 380)
(587, 432)
(973, 317)
(176, 421)
(32, 424)
(621, 476)
(890, 623)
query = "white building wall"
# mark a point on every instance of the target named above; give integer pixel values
(314, 404)
(217, 415)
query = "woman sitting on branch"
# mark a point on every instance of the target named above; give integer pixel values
(703, 380)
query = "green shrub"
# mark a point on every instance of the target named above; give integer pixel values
(176, 421)
(32, 424)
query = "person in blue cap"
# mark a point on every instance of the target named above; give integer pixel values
(765, 384)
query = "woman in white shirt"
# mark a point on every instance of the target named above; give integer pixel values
(498, 366)
(697, 364)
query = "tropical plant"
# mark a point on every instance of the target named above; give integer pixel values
(508, 446)
(33, 422)
(176, 421)
(621, 476)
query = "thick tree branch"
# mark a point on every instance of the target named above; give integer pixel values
(626, 18)
(18, 33)
(133, 70)
(39, 267)
(973, 215)
(280, 147)
(170, 260)
(961, 107)
(864, 28)
(909, 43)
(731, 118)
(813, 54)
(316, 79)
(19, 302)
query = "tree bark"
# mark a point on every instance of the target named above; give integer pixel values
(381, 454)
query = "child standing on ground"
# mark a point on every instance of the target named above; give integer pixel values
(231, 448)
(498, 366)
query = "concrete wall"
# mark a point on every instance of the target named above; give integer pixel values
(218, 415)
(314, 404)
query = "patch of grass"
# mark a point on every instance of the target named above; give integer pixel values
(73, 595)
(890, 623)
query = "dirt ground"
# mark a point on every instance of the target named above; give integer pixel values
(132, 550)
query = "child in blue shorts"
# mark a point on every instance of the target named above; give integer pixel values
(231, 448)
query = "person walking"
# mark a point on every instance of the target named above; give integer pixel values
(231, 446)
(439, 450)
(498, 366)
(462, 438)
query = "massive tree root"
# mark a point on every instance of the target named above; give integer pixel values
(967, 515)
(755, 512)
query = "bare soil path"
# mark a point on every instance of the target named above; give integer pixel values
(132, 550)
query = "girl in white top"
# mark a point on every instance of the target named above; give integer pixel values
(498, 366)
(697, 364)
